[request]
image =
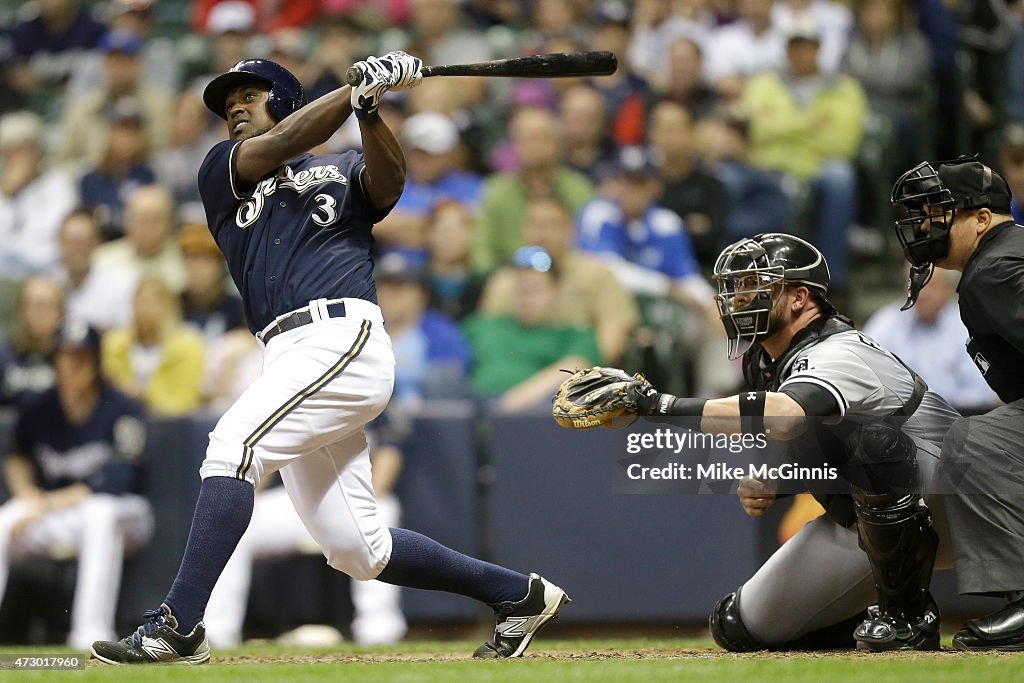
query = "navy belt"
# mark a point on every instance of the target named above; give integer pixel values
(301, 317)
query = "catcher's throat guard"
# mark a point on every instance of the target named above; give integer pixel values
(748, 287)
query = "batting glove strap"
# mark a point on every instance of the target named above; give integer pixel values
(378, 78)
(407, 70)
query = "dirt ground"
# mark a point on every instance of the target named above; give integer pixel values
(583, 654)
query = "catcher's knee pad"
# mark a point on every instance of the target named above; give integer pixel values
(727, 627)
(886, 458)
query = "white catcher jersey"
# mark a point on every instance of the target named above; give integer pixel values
(863, 379)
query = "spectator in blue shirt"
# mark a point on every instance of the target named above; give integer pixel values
(432, 144)
(645, 244)
(432, 357)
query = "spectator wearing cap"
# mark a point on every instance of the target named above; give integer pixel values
(156, 358)
(86, 123)
(269, 16)
(26, 368)
(588, 294)
(689, 188)
(161, 66)
(649, 249)
(432, 358)
(807, 126)
(33, 198)
(101, 298)
(230, 27)
(149, 246)
(45, 47)
(646, 245)
(834, 22)
(749, 45)
(431, 143)
(74, 471)
(518, 356)
(1011, 166)
(123, 168)
(541, 173)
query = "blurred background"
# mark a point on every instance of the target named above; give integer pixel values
(546, 224)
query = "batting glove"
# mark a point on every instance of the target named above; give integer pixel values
(378, 78)
(407, 70)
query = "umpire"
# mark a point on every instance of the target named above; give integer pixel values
(956, 215)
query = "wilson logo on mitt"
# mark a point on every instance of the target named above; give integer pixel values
(596, 397)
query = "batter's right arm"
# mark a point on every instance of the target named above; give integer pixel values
(300, 132)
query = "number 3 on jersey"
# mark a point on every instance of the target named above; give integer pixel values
(327, 204)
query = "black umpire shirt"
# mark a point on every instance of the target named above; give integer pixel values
(992, 309)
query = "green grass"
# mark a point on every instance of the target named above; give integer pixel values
(583, 661)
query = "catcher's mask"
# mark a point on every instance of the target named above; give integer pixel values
(927, 198)
(751, 274)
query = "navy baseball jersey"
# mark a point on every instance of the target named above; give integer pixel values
(299, 234)
(103, 452)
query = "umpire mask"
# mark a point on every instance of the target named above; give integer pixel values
(932, 192)
(751, 274)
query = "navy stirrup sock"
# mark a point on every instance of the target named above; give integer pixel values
(420, 562)
(223, 512)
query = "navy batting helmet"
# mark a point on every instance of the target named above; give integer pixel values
(286, 95)
(747, 273)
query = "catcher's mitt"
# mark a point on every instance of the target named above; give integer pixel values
(598, 397)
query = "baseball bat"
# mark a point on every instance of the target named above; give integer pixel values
(553, 65)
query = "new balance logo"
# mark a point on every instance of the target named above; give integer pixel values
(158, 648)
(518, 627)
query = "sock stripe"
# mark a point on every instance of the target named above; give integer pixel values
(292, 403)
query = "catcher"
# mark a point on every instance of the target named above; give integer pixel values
(873, 549)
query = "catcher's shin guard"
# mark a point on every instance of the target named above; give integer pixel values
(897, 535)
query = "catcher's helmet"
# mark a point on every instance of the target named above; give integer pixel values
(286, 94)
(747, 273)
(930, 190)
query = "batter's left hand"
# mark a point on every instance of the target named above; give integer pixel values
(378, 78)
(407, 70)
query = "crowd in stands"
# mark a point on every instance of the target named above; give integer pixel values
(545, 224)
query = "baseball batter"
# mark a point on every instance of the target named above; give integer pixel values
(295, 229)
(805, 360)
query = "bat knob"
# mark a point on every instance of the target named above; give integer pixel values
(354, 76)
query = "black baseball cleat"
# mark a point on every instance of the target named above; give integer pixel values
(1002, 630)
(516, 623)
(886, 633)
(156, 642)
